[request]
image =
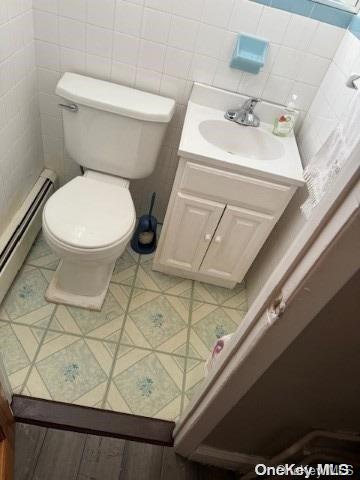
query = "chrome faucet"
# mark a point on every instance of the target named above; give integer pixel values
(245, 114)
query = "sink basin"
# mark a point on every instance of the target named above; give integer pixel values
(249, 142)
(207, 137)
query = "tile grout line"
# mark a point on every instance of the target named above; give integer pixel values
(165, 293)
(112, 369)
(97, 339)
(186, 357)
(47, 388)
(187, 348)
(41, 343)
(28, 264)
(162, 408)
(159, 292)
(162, 352)
(170, 401)
(125, 402)
(119, 343)
(75, 400)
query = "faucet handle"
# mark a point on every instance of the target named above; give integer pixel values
(245, 115)
(231, 114)
(250, 104)
(254, 101)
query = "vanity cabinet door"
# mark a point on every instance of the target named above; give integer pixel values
(236, 242)
(191, 227)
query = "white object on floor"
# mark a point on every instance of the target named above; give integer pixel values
(329, 160)
(117, 131)
(216, 353)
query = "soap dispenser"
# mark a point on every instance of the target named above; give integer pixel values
(284, 124)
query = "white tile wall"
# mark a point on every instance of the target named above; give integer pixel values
(330, 103)
(162, 46)
(332, 97)
(21, 158)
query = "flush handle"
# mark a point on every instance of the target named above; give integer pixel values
(353, 81)
(207, 237)
(218, 239)
(70, 108)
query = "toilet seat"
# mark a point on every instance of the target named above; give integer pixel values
(90, 213)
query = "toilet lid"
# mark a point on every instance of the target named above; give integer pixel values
(88, 213)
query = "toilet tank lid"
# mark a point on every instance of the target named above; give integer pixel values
(115, 98)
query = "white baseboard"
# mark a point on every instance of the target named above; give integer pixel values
(21, 249)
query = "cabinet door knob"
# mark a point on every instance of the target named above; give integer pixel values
(208, 237)
(218, 239)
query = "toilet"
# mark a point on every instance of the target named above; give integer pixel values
(114, 133)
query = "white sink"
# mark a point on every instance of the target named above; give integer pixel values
(251, 142)
(208, 137)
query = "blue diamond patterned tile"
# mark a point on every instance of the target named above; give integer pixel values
(195, 374)
(149, 279)
(157, 321)
(41, 254)
(146, 383)
(18, 347)
(105, 324)
(158, 368)
(125, 267)
(209, 323)
(25, 302)
(71, 369)
(226, 297)
(193, 358)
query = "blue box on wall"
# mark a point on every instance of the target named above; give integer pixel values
(249, 54)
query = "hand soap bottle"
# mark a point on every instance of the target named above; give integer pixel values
(284, 124)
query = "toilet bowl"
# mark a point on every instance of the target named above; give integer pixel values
(115, 134)
(88, 224)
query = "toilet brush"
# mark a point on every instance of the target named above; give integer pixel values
(144, 238)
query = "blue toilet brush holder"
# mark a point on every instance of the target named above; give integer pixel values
(144, 240)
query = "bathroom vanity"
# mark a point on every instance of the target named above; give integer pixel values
(231, 187)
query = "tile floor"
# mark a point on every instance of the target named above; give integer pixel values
(144, 353)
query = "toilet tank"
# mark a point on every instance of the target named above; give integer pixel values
(111, 128)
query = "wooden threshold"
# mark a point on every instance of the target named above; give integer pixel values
(93, 421)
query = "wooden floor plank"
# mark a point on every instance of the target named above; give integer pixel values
(213, 473)
(49, 454)
(93, 421)
(142, 461)
(175, 467)
(60, 456)
(102, 458)
(28, 442)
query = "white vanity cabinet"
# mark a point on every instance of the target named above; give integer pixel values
(235, 243)
(192, 224)
(217, 221)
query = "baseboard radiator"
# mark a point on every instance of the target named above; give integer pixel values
(18, 237)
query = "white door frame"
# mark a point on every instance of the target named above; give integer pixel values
(238, 370)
